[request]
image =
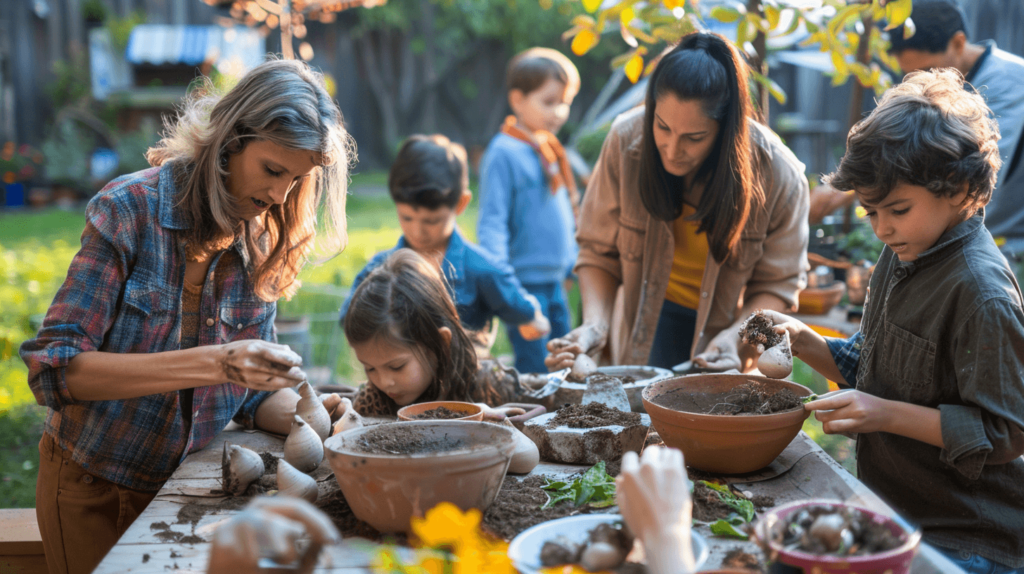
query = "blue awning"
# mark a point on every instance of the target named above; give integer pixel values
(160, 44)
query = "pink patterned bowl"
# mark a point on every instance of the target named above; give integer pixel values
(768, 532)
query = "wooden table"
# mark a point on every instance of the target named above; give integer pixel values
(144, 548)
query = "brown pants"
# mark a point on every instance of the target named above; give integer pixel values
(81, 516)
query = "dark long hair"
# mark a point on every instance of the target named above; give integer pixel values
(705, 67)
(405, 302)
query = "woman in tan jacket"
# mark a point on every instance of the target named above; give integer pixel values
(696, 212)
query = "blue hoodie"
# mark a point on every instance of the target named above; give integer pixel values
(521, 222)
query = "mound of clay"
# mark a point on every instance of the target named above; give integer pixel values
(592, 415)
(759, 330)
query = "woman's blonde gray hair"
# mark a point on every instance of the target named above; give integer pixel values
(283, 102)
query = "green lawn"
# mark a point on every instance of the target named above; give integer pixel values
(37, 246)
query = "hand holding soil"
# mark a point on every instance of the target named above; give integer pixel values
(653, 494)
(270, 527)
(587, 338)
(260, 365)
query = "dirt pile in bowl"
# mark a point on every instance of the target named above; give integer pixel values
(397, 440)
(440, 413)
(750, 398)
(592, 415)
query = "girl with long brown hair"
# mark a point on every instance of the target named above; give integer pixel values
(163, 331)
(405, 331)
(696, 215)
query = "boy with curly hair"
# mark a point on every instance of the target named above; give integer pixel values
(938, 405)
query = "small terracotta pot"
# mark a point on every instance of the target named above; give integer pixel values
(473, 412)
(726, 444)
(387, 490)
(820, 300)
(895, 561)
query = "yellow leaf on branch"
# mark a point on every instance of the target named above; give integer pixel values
(634, 67)
(897, 12)
(583, 42)
(627, 16)
(591, 5)
(673, 4)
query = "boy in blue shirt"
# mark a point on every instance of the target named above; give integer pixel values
(528, 193)
(938, 405)
(429, 183)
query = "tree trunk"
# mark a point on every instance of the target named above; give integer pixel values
(376, 70)
(760, 61)
(857, 97)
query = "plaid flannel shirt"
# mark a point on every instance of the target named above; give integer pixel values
(846, 354)
(123, 295)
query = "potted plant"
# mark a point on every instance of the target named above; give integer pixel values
(18, 165)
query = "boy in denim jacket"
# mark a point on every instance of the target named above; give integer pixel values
(937, 366)
(528, 194)
(429, 183)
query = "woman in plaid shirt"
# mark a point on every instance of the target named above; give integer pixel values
(164, 328)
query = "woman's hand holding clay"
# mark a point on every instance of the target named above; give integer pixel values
(587, 338)
(260, 365)
(653, 493)
(269, 528)
(721, 354)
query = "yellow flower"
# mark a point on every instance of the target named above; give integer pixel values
(673, 4)
(591, 5)
(446, 525)
(583, 42)
(861, 212)
(627, 16)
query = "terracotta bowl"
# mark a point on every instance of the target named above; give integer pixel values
(571, 392)
(895, 561)
(726, 444)
(387, 490)
(472, 412)
(820, 300)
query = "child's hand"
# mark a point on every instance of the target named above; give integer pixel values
(850, 411)
(269, 528)
(654, 497)
(535, 329)
(493, 414)
(786, 324)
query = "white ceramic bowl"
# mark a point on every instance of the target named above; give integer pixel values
(525, 548)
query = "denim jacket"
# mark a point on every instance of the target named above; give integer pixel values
(123, 295)
(947, 331)
(480, 287)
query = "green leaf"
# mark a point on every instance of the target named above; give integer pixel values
(595, 488)
(813, 397)
(723, 528)
(742, 506)
(553, 500)
(596, 474)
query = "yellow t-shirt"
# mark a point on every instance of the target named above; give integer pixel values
(688, 261)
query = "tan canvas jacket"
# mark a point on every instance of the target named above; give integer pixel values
(618, 235)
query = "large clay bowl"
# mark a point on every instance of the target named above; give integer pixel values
(895, 561)
(725, 444)
(387, 490)
(571, 392)
(471, 412)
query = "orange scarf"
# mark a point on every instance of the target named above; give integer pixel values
(552, 158)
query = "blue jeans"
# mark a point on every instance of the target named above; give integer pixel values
(673, 337)
(530, 354)
(975, 563)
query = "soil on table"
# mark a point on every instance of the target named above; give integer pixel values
(269, 463)
(750, 398)
(592, 415)
(440, 413)
(759, 329)
(400, 440)
(737, 558)
(517, 507)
